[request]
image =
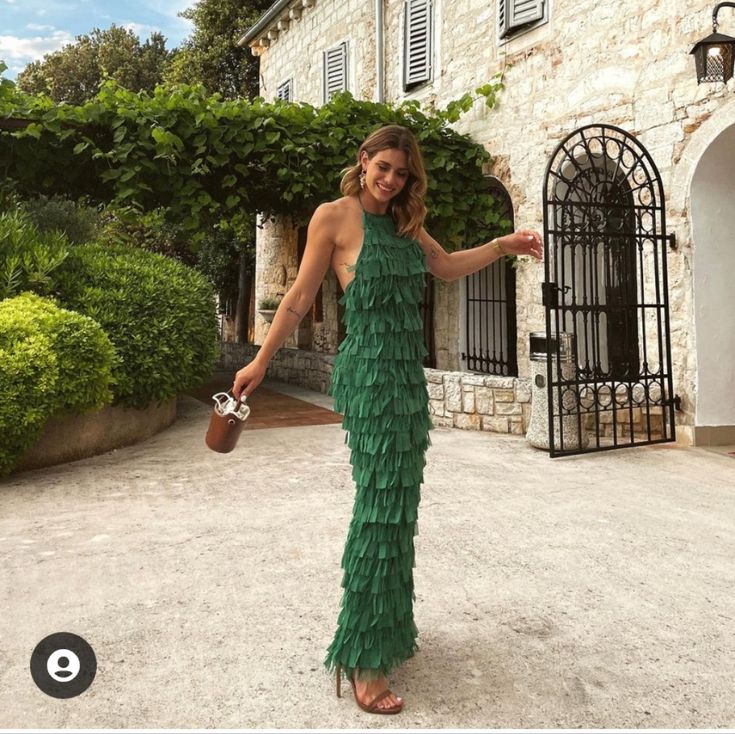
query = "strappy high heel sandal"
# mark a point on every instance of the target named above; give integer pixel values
(372, 707)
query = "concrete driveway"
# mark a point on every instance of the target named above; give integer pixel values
(593, 591)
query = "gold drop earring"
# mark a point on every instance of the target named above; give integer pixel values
(362, 180)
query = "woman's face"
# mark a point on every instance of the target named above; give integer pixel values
(386, 173)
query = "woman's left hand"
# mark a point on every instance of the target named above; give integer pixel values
(523, 242)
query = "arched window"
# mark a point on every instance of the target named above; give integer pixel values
(489, 308)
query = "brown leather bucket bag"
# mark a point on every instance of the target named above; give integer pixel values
(226, 422)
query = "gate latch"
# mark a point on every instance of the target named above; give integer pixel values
(550, 295)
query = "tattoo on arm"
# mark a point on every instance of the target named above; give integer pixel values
(293, 311)
(349, 268)
(434, 252)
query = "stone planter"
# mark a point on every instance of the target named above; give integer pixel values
(267, 313)
(71, 437)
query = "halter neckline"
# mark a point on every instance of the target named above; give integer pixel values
(388, 214)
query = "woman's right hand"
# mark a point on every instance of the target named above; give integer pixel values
(248, 378)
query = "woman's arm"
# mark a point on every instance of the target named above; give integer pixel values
(453, 265)
(296, 302)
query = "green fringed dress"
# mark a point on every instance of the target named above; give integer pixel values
(378, 383)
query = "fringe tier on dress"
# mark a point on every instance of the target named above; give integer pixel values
(378, 384)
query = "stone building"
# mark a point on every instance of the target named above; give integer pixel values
(615, 84)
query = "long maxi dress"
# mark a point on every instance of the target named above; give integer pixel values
(378, 384)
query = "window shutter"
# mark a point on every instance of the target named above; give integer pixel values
(513, 14)
(503, 20)
(335, 70)
(417, 45)
(285, 91)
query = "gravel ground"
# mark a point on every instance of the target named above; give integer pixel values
(593, 591)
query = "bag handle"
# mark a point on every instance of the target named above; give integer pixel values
(222, 397)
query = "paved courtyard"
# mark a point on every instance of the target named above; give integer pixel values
(591, 591)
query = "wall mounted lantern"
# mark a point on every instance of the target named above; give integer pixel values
(714, 55)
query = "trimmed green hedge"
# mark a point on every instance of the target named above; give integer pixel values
(51, 361)
(159, 314)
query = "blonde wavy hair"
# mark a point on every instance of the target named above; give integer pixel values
(407, 207)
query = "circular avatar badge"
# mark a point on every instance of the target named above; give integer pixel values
(63, 665)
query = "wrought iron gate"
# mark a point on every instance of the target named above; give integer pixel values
(606, 285)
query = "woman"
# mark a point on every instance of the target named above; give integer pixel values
(373, 237)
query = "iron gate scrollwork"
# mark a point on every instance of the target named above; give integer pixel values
(606, 285)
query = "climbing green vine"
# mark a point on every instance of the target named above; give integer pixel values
(203, 159)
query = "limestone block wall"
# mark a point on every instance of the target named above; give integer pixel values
(456, 399)
(297, 50)
(312, 370)
(478, 402)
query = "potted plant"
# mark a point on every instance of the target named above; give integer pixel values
(268, 307)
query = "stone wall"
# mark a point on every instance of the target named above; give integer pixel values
(625, 64)
(446, 324)
(296, 51)
(80, 435)
(456, 399)
(312, 370)
(478, 402)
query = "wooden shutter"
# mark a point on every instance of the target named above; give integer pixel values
(513, 14)
(417, 42)
(285, 90)
(335, 70)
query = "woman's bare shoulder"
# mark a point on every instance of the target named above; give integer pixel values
(342, 207)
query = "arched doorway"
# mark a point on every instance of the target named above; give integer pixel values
(713, 224)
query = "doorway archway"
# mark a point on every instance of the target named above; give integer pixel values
(713, 232)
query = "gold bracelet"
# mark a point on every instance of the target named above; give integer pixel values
(496, 243)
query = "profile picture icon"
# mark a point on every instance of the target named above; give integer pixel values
(63, 665)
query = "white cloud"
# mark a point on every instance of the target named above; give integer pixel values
(37, 27)
(32, 49)
(140, 29)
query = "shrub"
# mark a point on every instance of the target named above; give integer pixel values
(85, 356)
(28, 258)
(51, 361)
(159, 314)
(78, 222)
(150, 231)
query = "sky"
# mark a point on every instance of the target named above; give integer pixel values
(31, 28)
